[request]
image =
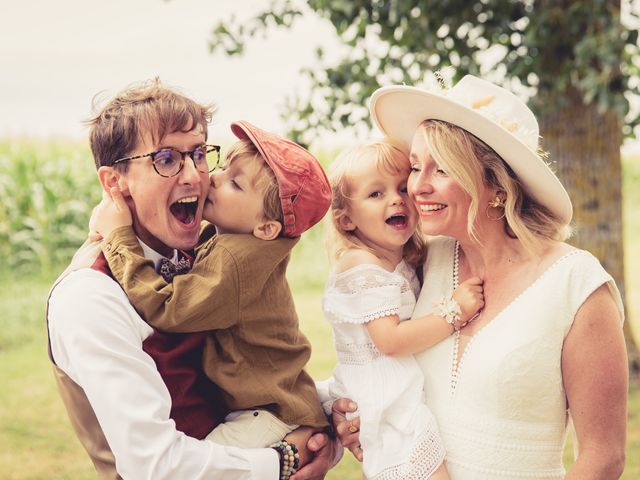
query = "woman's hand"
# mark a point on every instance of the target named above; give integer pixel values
(347, 431)
(111, 213)
(470, 297)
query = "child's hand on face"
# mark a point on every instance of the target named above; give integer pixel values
(470, 297)
(111, 213)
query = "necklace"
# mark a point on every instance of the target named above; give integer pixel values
(456, 265)
(456, 339)
(456, 365)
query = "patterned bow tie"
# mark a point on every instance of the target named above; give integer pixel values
(168, 269)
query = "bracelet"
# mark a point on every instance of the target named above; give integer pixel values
(449, 309)
(289, 458)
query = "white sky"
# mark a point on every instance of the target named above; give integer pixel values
(55, 55)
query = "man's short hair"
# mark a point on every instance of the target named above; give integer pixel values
(146, 108)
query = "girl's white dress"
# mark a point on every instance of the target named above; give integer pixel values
(398, 433)
(501, 404)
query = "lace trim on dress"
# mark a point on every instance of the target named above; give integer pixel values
(364, 293)
(336, 316)
(357, 354)
(367, 276)
(424, 459)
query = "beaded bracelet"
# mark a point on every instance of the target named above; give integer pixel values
(289, 458)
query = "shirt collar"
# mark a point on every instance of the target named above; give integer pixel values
(155, 257)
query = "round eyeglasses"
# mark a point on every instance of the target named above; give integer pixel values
(169, 161)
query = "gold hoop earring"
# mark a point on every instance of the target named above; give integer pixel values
(499, 203)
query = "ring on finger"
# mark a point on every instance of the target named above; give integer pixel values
(352, 428)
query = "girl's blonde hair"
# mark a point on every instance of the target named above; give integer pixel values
(475, 165)
(389, 158)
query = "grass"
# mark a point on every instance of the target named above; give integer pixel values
(34, 422)
(36, 439)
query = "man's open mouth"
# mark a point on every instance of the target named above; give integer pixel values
(185, 209)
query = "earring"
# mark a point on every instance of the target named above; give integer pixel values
(498, 202)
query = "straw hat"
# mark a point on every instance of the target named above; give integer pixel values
(491, 113)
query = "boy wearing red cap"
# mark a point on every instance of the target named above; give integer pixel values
(270, 192)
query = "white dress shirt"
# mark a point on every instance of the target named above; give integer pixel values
(96, 339)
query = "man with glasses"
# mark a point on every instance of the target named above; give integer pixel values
(137, 397)
(168, 161)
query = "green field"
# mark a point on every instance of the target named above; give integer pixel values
(36, 440)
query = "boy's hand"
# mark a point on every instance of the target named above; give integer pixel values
(470, 297)
(111, 213)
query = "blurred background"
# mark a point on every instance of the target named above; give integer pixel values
(304, 69)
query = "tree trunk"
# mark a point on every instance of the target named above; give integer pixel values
(584, 147)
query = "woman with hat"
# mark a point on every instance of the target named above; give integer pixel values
(548, 346)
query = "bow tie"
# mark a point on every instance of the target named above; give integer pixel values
(168, 269)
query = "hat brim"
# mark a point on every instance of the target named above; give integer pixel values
(245, 131)
(398, 111)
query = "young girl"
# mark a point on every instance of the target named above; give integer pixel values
(368, 300)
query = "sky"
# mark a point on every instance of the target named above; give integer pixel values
(56, 56)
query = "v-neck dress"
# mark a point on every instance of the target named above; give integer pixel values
(501, 407)
(398, 433)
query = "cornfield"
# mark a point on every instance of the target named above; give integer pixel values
(47, 191)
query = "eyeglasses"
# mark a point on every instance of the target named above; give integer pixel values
(168, 162)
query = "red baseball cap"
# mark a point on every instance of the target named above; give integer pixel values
(305, 194)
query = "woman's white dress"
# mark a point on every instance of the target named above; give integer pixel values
(398, 433)
(502, 412)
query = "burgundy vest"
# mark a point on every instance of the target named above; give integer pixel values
(196, 403)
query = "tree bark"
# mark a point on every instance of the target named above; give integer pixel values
(584, 147)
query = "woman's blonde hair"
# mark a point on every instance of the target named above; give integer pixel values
(475, 166)
(389, 158)
(265, 181)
